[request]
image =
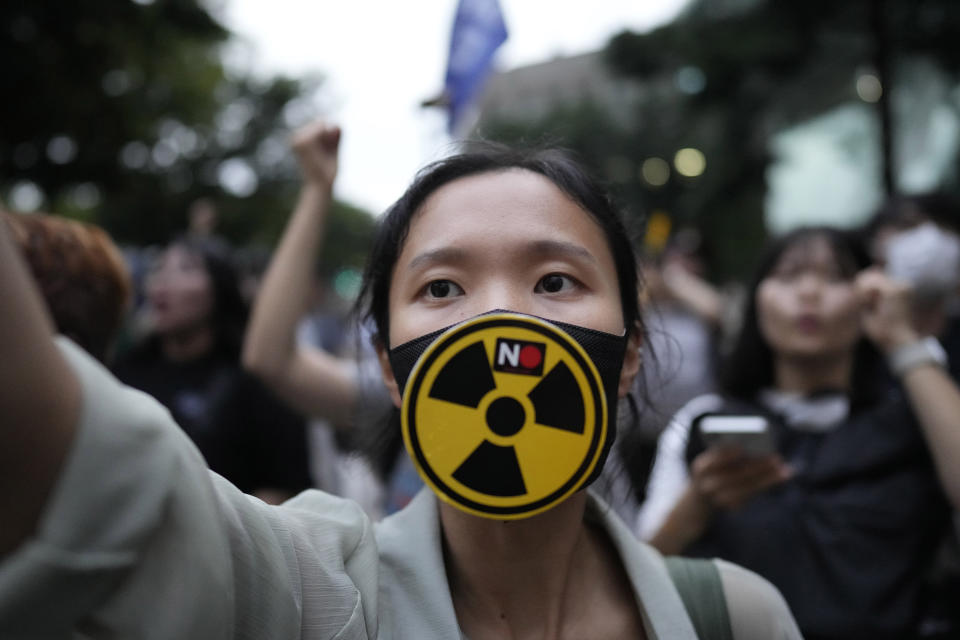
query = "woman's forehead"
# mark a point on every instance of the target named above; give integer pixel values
(514, 199)
(811, 250)
(498, 186)
(179, 255)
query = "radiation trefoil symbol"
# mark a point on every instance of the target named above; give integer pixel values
(504, 416)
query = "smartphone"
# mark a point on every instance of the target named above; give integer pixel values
(752, 434)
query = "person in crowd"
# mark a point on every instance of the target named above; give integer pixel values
(190, 362)
(917, 239)
(335, 463)
(347, 393)
(682, 315)
(843, 510)
(81, 274)
(123, 524)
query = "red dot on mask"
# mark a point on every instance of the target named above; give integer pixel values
(530, 356)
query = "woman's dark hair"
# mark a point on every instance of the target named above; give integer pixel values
(749, 367)
(905, 211)
(556, 165)
(230, 311)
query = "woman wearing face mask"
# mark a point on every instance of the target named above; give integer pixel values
(844, 515)
(915, 239)
(480, 232)
(190, 363)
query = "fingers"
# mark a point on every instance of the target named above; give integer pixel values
(318, 134)
(727, 477)
(316, 146)
(873, 283)
(745, 486)
(868, 285)
(886, 308)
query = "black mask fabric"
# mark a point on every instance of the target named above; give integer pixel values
(604, 350)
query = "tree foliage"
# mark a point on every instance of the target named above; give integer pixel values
(124, 112)
(724, 78)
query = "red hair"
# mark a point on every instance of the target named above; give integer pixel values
(81, 275)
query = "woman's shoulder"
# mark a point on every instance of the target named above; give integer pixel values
(695, 407)
(756, 608)
(135, 500)
(702, 404)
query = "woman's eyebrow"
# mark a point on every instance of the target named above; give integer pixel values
(443, 255)
(550, 248)
(537, 248)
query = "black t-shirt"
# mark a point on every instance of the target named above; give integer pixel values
(848, 538)
(245, 433)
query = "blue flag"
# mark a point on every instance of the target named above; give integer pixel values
(478, 30)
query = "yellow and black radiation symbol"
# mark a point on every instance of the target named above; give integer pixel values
(504, 416)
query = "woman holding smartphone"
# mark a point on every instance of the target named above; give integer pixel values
(845, 514)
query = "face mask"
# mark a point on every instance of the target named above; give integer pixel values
(927, 257)
(505, 415)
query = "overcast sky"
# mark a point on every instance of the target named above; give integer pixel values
(381, 58)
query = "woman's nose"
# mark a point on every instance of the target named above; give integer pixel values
(506, 296)
(809, 284)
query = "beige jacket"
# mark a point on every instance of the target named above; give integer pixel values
(140, 540)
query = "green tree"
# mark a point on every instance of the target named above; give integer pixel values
(726, 76)
(124, 113)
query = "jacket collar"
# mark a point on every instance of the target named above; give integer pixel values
(414, 584)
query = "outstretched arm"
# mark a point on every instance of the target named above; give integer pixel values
(39, 400)
(932, 393)
(311, 380)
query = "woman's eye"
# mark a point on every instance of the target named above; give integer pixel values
(443, 289)
(554, 283)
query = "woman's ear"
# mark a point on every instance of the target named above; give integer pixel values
(386, 371)
(632, 360)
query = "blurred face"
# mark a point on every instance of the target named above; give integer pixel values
(179, 292)
(806, 306)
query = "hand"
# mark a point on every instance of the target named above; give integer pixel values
(886, 315)
(727, 477)
(316, 147)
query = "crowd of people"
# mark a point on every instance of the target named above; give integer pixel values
(844, 346)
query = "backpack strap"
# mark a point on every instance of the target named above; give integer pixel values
(701, 590)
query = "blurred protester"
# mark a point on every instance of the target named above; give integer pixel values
(81, 274)
(347, 394)
(915, 239)
(202, 219)
(682, 314)
(337, 461)
(845, 513)
(683, 317)
(190, 363)
(251, 263)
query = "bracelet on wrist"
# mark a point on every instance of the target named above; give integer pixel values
(909, 356)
